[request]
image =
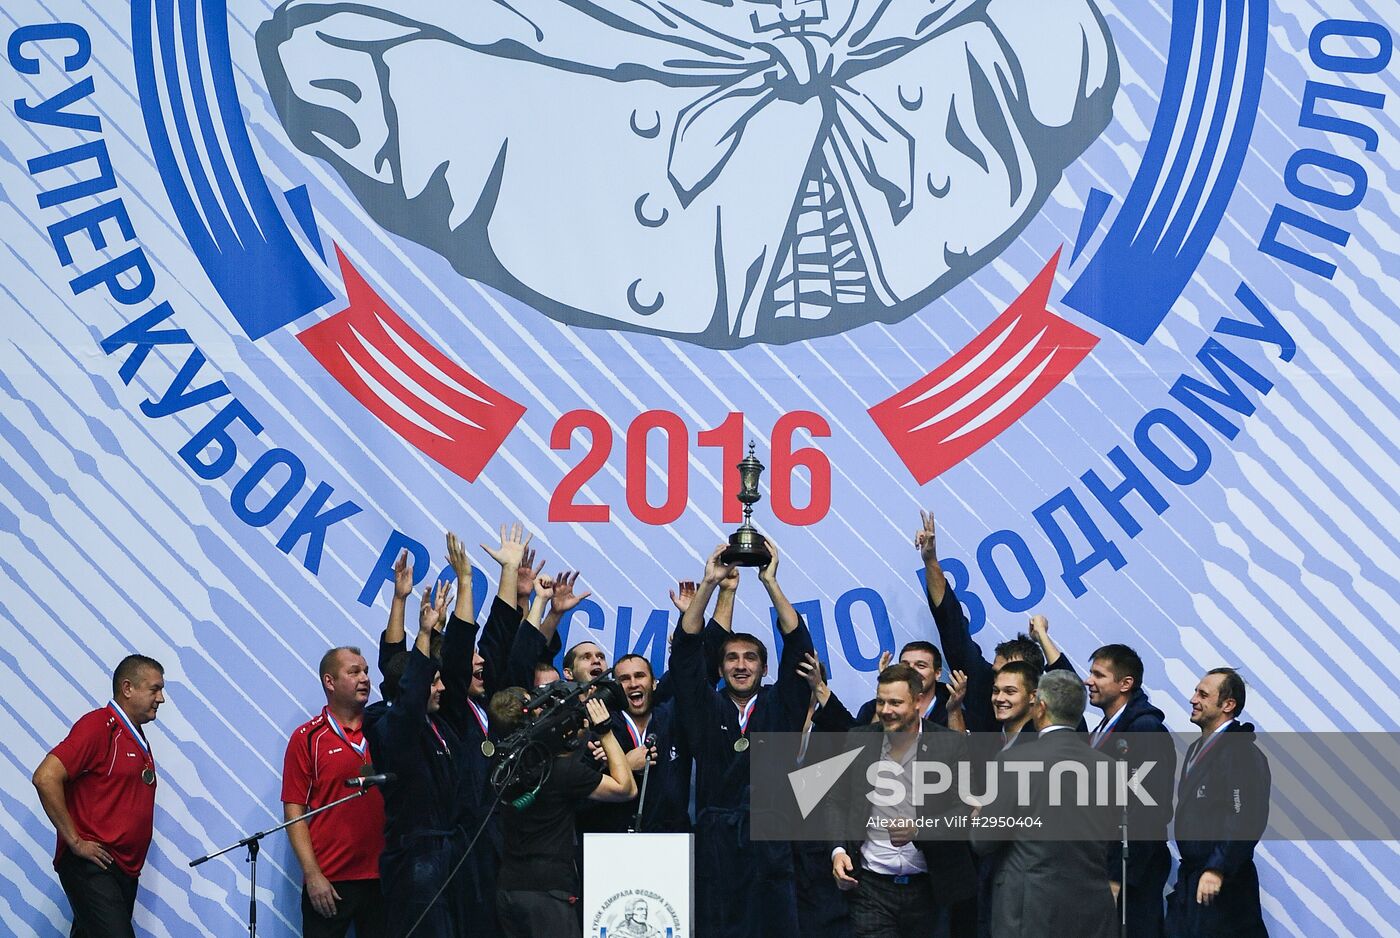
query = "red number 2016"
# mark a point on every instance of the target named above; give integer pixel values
(674, 459)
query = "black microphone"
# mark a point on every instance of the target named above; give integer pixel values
(1121, 747)
(369, 781)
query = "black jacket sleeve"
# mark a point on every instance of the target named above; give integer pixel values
(793, 691)
(692, 689)
(963, 654)
(497, 638)
(399, 727)
(458, 650)
(833, 717)
(389, 684)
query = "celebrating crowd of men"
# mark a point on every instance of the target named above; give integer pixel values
(433, 852)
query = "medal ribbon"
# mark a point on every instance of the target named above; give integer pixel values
(632, 730)
(130, 727)
(1214, 738)
(438, 734)
(1106, 728)
(339, 731)
(481, 719)
(745, 712)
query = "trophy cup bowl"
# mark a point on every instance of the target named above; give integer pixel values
(746, 546)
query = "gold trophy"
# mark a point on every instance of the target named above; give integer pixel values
(746, 546)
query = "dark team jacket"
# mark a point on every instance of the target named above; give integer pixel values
(1222, 803)
(421, 804)
(474, 767)
(712, 638)
(710, 721)
(667, 806)
(1142, 728)
(961, 653)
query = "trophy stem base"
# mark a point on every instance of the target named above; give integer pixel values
(746, 549)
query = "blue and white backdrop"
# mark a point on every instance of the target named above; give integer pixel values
(291, 287)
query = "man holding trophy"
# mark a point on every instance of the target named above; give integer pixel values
(745, 888)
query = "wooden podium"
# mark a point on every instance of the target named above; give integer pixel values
(638, 885)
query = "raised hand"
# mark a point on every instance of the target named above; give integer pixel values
(597, 713)
(885, 658)
(432, 609)
(564, 596)
(457, 558)
(957, 690)
(1040, 628)
(810, 670)
(682, 595)
(769, 574)
(730, 583)
(715, 570)
(925, 539)
(403, 576)
(525, 576)
(545, 588)
(514, 541)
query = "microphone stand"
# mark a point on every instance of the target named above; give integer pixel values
(636, 824)
(1122, 747)
(254, 841)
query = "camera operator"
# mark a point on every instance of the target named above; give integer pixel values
(539, 882)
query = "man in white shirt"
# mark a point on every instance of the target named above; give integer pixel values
(891, 873)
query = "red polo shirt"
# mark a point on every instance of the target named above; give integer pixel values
(107, 798)
(347, 839)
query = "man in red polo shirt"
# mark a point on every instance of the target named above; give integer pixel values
(339, 855)
(98, 787)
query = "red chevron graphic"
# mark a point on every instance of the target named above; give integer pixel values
(413, 388)
(947, 415)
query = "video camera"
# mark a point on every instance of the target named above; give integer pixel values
(554, 716)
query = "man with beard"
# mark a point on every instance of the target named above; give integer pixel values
(338, 850)
(1222, 808)
(896, 883)
(1132, 730)
(744, 888)
(646, 732)
(422, 838)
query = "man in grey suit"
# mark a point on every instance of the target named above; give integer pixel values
(1043, 886)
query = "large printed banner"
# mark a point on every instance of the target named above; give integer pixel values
(292, 287)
